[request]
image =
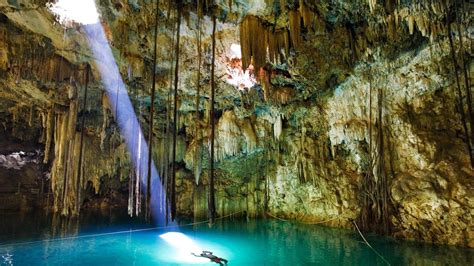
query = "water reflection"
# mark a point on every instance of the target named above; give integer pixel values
(39, 225)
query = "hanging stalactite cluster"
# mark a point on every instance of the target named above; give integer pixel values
(273, 43)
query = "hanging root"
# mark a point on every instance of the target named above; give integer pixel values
(175, 120)
(212, 204)
(376, 208)
(152, 110)
(459, 92)
(197, 135)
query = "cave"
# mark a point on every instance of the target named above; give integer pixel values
(236, 132)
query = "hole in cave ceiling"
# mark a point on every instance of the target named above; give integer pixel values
(237, 76)
(74, 11)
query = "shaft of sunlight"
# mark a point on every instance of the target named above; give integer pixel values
(85, 12)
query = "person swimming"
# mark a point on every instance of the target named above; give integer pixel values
(212, 257)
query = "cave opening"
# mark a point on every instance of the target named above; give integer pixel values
(243, 132)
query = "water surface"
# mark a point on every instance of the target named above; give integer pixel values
(92, 241)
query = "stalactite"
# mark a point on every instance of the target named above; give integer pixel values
(105, 119)
(306, 14)
(79, 164)
(253, 49)
(138, 190)
(49, 133)
(30, 118)
(411, 24)
(277, 128)
(283, 5)
(63, 172)
(391, 27)
(277, 41)
(175, 118)
(131, 177)
(211, 198)
(372, 4)
(131, 183)
(152, 111)
(70, 159)
(63, 206)
(228, 130)
(267, 180)
(294, 18)
(274, 42)
(300, 161)
(266, 84)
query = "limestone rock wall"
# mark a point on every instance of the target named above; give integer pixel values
(427, 161)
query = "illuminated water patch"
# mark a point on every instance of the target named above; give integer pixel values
(181, 247)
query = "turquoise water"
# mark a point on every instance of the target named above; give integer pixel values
(258, 242)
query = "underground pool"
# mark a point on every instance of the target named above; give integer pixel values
(114, 240)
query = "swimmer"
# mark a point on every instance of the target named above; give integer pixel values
(213, 258)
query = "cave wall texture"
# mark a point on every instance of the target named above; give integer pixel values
(356, 116)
